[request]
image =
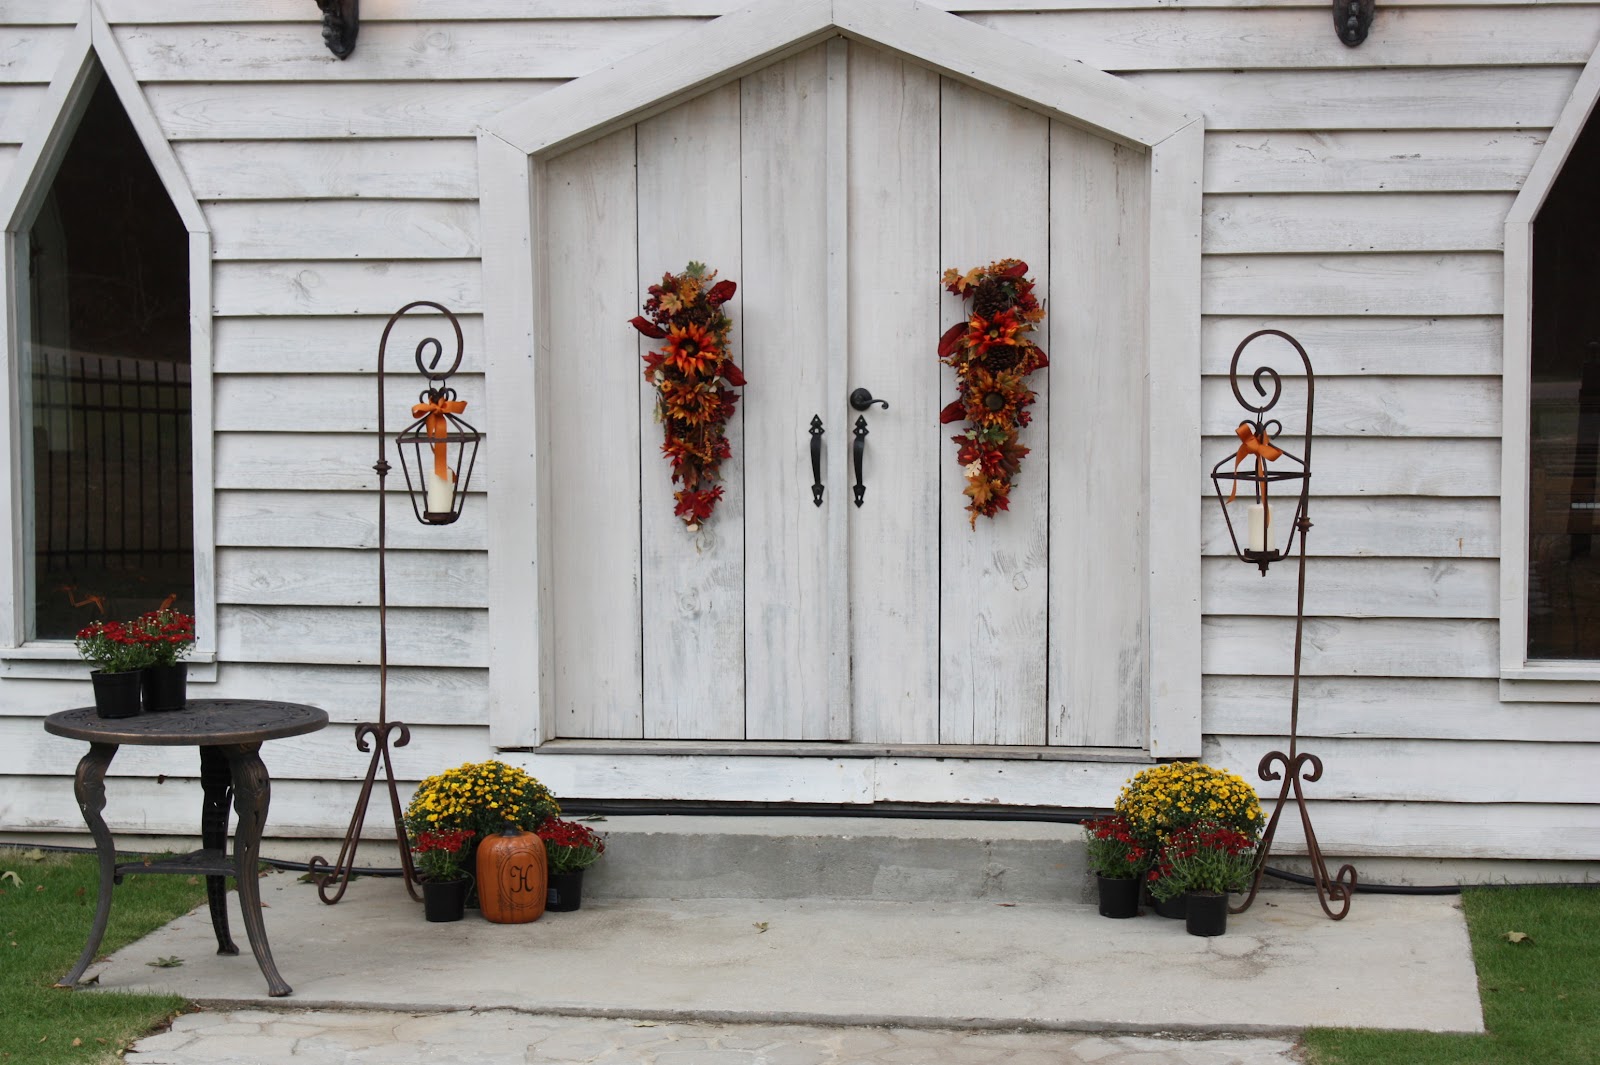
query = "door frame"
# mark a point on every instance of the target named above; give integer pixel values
(512, 149)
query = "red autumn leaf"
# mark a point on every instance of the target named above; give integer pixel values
(648, 328)
(953, 412)
(732, 374)
(1015, 270)
(721, 293)
(947, 343)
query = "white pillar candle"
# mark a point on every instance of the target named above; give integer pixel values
(1263, 536)
(441, 491)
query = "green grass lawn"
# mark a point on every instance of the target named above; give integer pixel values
(44, 923)
(1541, 996)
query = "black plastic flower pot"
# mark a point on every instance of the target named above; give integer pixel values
(115, 694)
(166, 687)
(1118, 898)
(444, 900)
(565, 892)
(1206, 913)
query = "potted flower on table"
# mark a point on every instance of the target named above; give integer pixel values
(1118, 860)
(572, 848)
(439, 856)
(121, 656)
(169, 636)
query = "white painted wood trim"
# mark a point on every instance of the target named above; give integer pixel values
(1173, 417)
(518, 592)
(30, 177)
(742, 41)
(836, 224)
(1517, 367)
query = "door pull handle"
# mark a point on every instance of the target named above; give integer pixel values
(816, 459)
(859, 449)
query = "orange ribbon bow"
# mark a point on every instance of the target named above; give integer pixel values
(438, 426)
(1262, 449)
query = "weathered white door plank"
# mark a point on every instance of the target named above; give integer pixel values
(994, 578)
(894, 337)
(693, 593)
(593, 364)
(784, 207)
(1099, 209)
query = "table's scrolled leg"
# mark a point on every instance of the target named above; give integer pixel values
(89, 785)
(252, 793)
(216, 781)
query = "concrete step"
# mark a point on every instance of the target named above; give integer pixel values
(863, 858)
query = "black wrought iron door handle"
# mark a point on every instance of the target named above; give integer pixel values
(859, 448)
(816, 459)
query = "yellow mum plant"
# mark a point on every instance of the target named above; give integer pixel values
(1166, 798)
(482, 797)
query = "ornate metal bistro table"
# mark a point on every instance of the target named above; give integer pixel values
(229, 733)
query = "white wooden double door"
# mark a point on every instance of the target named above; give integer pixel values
(835, 186)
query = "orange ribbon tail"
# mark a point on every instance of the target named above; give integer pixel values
(438, 426)
(1262, 449)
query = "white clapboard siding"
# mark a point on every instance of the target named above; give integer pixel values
(1350, 466)
(302, 110)
(342, 344)
(1364, 406)
(692, 589)
(1385, 526)
(339, 229)
(994, 580)
(442, 169)
(29, 54)
(1400, 160)
(1448, 98)
(1390, 708)
(8, 156)
(329, 754)
(340, 520)
(324, 577)
(1430, 771)
(19, 106)
(1255, 38)
(1356, 588)
(304, 461)
(333, 404)
(1407, 283)
(1393, 346)
(278, 288)
(433, 50)
(1351, 647)
(1264, 223)
(349, 635)
(1447, 830)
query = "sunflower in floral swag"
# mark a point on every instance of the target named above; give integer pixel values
(694, 378)
(992, 355)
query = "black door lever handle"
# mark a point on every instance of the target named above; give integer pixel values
(859, 449)
(816, 459)
(861, 399)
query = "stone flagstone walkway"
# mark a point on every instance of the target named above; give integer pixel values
(493, 1037)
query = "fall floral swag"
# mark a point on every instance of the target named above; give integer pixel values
(692, 373)
(992, 356)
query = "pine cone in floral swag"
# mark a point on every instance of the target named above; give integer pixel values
(991, 355)
(694, 378)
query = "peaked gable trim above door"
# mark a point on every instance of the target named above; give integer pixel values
(513, 150)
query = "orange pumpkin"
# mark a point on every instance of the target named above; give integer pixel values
(513, 877)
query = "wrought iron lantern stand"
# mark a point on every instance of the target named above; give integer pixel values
(437, 455)
(1256, 447)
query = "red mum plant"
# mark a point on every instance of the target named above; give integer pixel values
(1206, 857)
(1113, 850)
(570, 846)
(168, 634)
(441, 854)
(694, 375)
(992, 356)
(114, 646)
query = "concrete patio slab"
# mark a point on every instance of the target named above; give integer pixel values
(1395, 962)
